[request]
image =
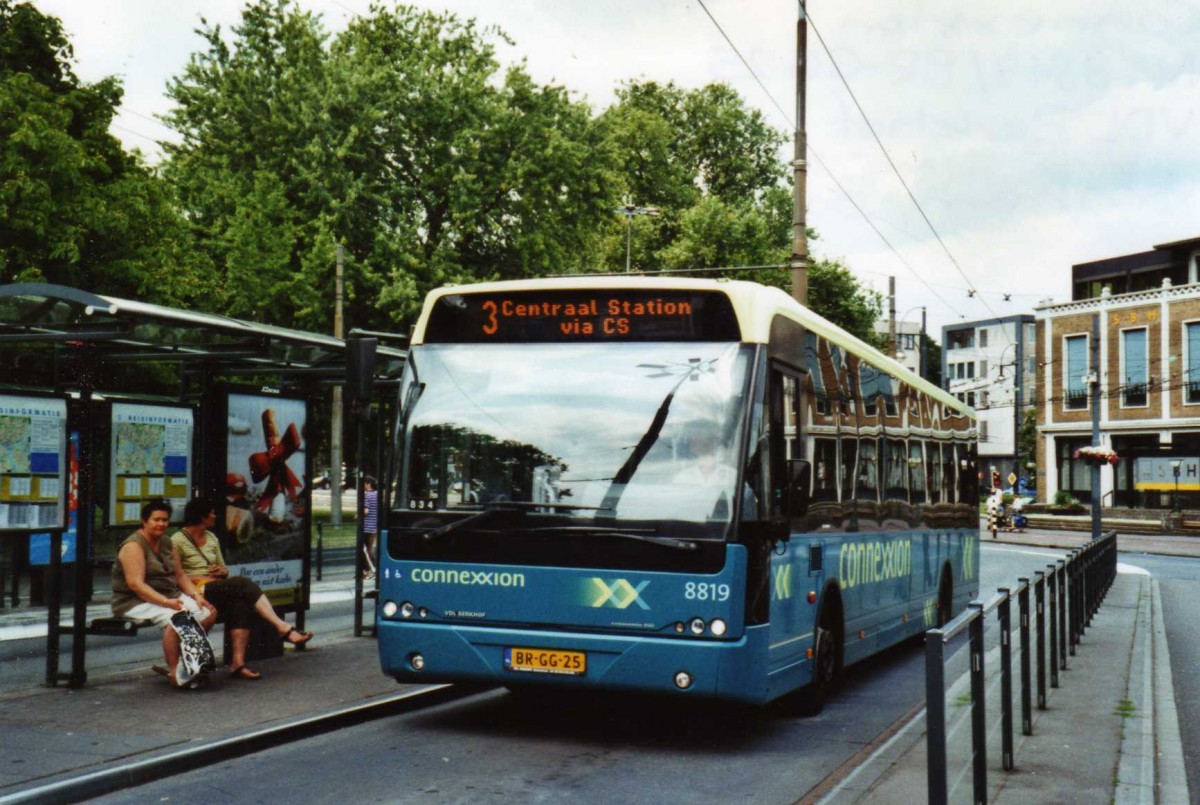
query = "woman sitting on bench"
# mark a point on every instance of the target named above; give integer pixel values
(148, 583)
(199, 554)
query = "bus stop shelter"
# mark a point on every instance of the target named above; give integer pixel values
(106, 403)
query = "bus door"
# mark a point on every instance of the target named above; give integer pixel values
(791, 616)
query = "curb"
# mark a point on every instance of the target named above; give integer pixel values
(1150, 768)
(138, 772)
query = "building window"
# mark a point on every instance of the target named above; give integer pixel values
(1074, 476)
(983, 399)
(970, 369)
(971, 398)
(960, 339)
(983, 431)
(1135, 368)
(960, 370)
(983, 337)
(1191, 378)
(983, 368)
(1076, 349)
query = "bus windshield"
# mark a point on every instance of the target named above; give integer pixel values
(594, 433)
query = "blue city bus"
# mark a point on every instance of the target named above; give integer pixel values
(690, 487)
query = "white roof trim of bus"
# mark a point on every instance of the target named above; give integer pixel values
(754, 304)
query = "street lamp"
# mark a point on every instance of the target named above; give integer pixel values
(1176, 463)
(630, 211)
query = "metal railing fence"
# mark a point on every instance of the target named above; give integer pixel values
(1065, 597)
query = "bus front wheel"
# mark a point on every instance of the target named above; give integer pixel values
(826, 673)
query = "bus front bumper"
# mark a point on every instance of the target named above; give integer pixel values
(728, 669)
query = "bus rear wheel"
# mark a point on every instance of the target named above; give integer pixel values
(945, 600)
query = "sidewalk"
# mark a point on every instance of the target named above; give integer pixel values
(51, 734)
(1165, 544)
(1114, 710)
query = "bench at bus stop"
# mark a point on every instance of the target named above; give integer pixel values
(264, 642)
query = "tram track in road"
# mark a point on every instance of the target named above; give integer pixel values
(139, 772)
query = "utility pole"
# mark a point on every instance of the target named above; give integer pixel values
(892, 342)
(1018, 382)
(335, 434)
(1094, 377)
(921, 360)
(799, 262)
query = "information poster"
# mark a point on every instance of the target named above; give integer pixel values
(39, 543)
(33, 449)
(266, 498)
(151, 458)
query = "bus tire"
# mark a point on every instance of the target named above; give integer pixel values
(945, 599)
(827, 668)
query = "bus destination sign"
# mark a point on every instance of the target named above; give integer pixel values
(591, 314)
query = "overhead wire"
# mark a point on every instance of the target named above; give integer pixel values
(791, 122)
(879, 142)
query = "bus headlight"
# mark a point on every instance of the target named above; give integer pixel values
(697, 625)
(683, 680)
(717, 626)
(407, 609)
(417, 662)
(389, 609)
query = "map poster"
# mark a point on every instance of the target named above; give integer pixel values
(151, 458)
(265, 492)
(33, 449)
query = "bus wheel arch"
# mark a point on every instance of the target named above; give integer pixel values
(827, 659)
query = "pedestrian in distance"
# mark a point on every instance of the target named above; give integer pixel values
(198, 552)
(370, 515)
(995, 510)
(149, 584)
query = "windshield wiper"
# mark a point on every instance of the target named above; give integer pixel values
(640, 536)
(490, 509)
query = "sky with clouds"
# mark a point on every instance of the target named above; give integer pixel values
(1033, 135)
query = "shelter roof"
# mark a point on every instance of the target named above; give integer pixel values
(36, 315)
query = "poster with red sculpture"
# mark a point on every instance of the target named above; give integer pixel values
(266, 497)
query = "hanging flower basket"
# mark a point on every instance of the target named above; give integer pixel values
(1096, 456)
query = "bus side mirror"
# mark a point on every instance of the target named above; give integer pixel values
(799, 484)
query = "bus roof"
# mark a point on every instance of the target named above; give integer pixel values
(755, 305)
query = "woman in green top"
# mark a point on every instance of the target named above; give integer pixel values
(237, 598)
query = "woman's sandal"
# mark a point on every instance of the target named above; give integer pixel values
(244, 672)
(303, 638)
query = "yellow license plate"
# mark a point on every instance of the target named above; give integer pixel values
(545, 661)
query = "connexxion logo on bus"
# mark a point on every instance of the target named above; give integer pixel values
(478, 578)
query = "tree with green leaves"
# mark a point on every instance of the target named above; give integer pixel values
(75, 208)
(399, 139)
(711, 168)
(706, 162)
(1027, 439)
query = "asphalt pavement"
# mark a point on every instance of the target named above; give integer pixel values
(1108, 734)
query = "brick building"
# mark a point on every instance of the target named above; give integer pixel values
(1143, 310)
